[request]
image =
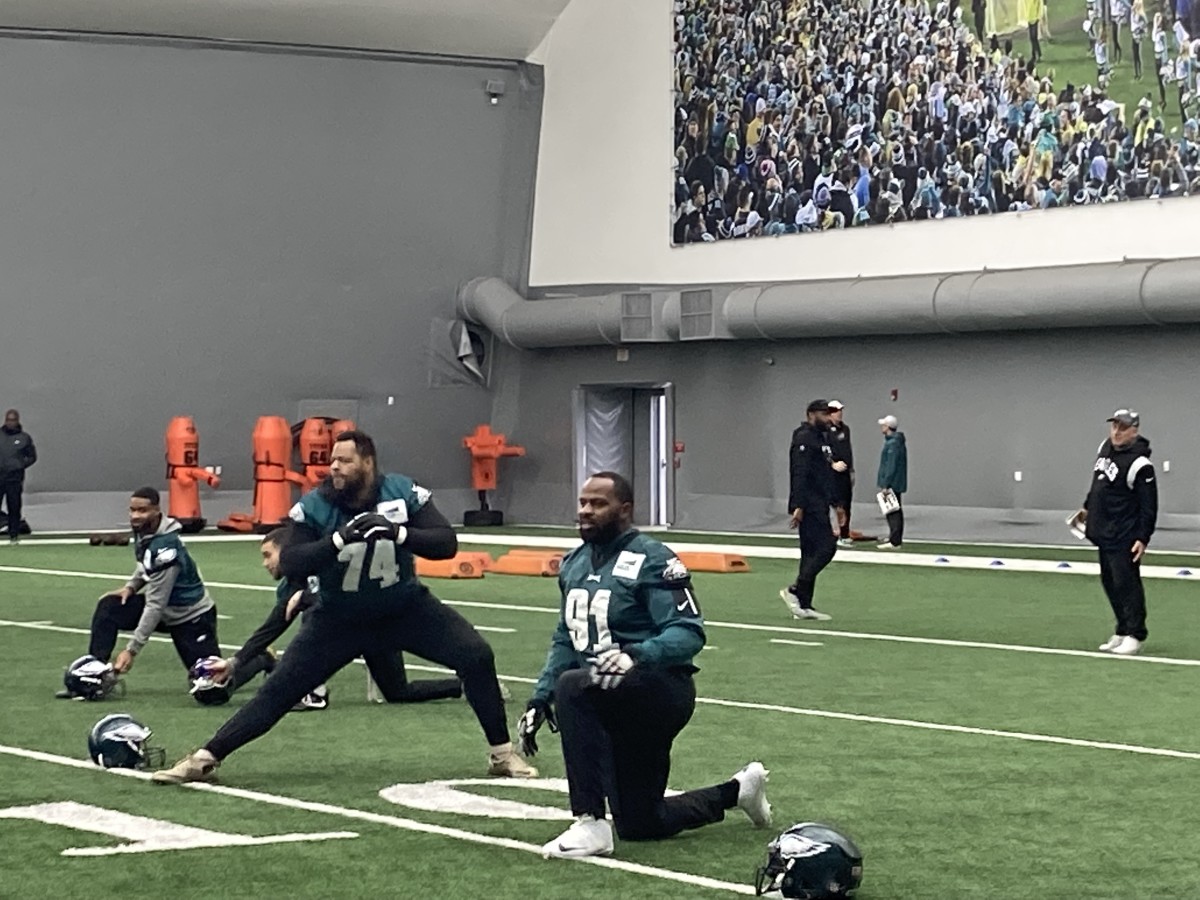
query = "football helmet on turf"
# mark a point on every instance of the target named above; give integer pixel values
(119, 741)
(811, 861)
(205, 689)
(87, 678)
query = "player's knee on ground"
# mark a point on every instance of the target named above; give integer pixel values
(650, 830)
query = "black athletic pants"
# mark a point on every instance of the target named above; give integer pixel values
(328, 642)
(12, 504)
(617, 744)
(388, 672)
(1122, 580)
(843, 496)
(817, 548)
(193, 640)
(895, 522)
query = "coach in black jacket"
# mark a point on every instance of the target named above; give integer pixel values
(17, 454)
(810, 498)
(1119, 515)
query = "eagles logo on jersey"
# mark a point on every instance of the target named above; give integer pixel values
(675, 570)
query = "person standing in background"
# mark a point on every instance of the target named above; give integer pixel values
(842, 462)
(1119, 516)
(893, 476)
(811, 495)
(17, 454)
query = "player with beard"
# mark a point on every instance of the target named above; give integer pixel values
(619, 676)
(356, 535)
(387, 669)
(165, 593)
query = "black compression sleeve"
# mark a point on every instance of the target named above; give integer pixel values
(272, 627)
(430, 534)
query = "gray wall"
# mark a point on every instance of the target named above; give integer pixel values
(188, 229)
(974, 409)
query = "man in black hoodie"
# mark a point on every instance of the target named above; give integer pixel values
(1119, 516)
(17, 454)
(810, 498)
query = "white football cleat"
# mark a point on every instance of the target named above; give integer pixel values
(587, 836)
(1129, 646)
(792, 601)
(752, 794)
(814, 614)
(1110, 643)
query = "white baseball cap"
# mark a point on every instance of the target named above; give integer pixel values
(836, 404)
(890, 421)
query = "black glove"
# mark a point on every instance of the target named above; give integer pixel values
(537, 712)
(367, 528)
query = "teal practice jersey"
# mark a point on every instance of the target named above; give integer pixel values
(365, 574)
(633, 594)
(164, 550)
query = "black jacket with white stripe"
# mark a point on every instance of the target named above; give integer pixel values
(1122, 504)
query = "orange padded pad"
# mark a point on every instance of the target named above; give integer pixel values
(458, 567)
(479, 557)
(528, 562)
(713, 562)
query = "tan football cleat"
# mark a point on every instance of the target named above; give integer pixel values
(192, 767)
(507, 763)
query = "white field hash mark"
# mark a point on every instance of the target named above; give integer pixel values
(363, 815)
(795, 710)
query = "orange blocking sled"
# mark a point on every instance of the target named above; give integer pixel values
(713, 562)
(528, 562)
(458, 567)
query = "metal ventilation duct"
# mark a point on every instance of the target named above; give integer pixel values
(1136, 293)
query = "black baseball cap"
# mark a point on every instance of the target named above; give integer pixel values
(1126, 417)
(818, 406)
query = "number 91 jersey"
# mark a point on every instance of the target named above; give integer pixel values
(634, 594)
(365, 573)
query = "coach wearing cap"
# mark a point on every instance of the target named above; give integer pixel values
(812, 494)
(1119, 515)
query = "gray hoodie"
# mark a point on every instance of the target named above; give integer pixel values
(169, 580)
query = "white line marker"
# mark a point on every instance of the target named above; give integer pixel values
(959, 729)
(741, 626)
(799, 711)
(146, 835)
(797, 643)
(363, 815)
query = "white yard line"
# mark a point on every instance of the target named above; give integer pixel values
(710, 623)
(363, 815)
(766, 551)
(793, 710)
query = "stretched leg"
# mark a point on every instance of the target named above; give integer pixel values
(387, 671)
(434, 631)
(110, 617)
(314, 655)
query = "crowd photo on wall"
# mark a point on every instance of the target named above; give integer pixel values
(795, 116)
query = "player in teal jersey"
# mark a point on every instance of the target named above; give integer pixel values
(165, 593)
(619, 676)
(357, 535)
(386, 668)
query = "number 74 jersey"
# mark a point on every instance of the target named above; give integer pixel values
(633, 594)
